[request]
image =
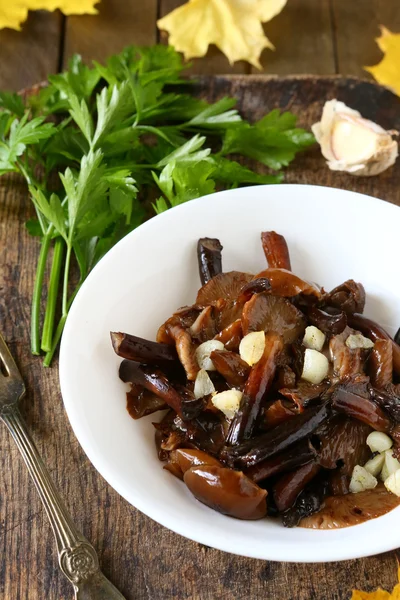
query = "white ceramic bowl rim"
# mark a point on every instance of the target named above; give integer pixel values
(332, 233)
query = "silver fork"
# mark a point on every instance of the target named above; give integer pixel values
(76, 556)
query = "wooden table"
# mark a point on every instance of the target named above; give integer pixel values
(145, 560)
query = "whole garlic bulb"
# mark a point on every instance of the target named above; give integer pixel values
(353, 144)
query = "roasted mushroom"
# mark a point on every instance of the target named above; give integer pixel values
(229, 492)
(209, 257)
(257, 386)
(269, 379)
(348, 297)
(272, 313)
(276, 250)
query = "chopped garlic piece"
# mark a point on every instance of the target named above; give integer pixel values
(374, 465)
(359, 341)
(353, 144)
(392, 483)
(361, 480)
(379, 442)
(313, 338)
(384, 473)
(203, 385)
(316, 366)
(203, 354)
(228, 402)
(252, 346)
(391, 464)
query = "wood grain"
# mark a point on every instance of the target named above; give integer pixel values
(145, 560)
(28, 56)
(118, 24)
(356, 25)
(303, 37)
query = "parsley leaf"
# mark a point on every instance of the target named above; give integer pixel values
(188, 152)
(219, 115)
(232, 173)
(21, 134)
(269, 141)
(98, 141)
(13, 103)
(183, 181)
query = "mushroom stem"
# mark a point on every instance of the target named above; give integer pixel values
(256, 388)
(276, 250)
(374, 331)
(155, 381)
(277, 439)
(141, 350)
(293, 457)
(209, 257)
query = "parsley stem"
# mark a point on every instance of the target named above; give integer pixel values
(65, 307)
(60, 328)
(49, 355)
(29, 180)
(37, 291)
(52, 293)
(65, 282)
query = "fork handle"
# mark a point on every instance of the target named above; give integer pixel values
(76, 556)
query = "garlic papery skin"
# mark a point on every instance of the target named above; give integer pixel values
(353, 144)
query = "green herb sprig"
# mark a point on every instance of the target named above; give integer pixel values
(96, 144)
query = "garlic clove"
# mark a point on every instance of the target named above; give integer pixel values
(390, 466)
(375, 465)
(353, 144)
(313, 338)
(357, 340)
(361, 480)
(315, 367)
(203, 354)
(203, 385)
(379, 441)
(384, 473)
(392, 483)
(352, 141)
(251, 347)
(391, 463)
(228, 402)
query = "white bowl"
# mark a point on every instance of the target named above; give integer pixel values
(333, 235)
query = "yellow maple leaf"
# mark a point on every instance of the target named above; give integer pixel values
(12, 14)
(387, 72)
(379, 594)
(15, 12)
(235, 26)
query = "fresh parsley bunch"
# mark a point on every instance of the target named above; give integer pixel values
(96, 144)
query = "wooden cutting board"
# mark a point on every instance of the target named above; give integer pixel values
(142, 558)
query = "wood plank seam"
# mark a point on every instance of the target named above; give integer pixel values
(61, 47)
(158, 16)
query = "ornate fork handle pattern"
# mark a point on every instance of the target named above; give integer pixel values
(77, 557)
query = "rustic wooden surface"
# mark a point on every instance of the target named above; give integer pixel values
(145, 560)
(310, 36)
